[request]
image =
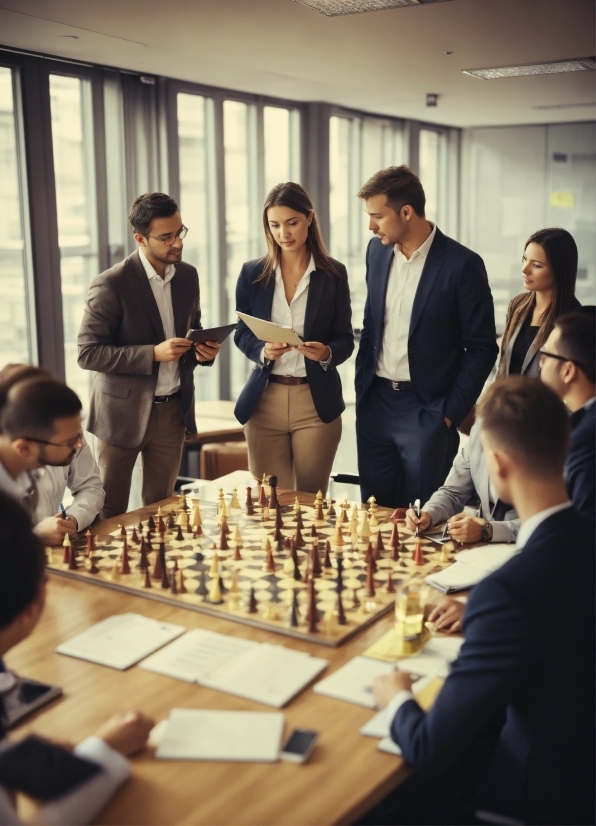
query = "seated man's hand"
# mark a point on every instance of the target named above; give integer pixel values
(413, 522)
(447, 615)
(53, 529)
(127, 732)
(465, 528)
(387, 686)
(207, 350)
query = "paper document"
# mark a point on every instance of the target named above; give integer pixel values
(378, 726)
(387, 744)
(471, 567)
(194, 734)
(194, 655)
(353, 681)
(268, 331)
(121, 641)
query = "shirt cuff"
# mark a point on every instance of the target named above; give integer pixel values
(97, 750)
(396, 702)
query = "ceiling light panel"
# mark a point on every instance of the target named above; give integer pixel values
(553, 68)
(333, 8)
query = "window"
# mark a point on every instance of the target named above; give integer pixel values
(281, 138)
(429, 171)
(198, 210)
(16, 312)
(72, 141)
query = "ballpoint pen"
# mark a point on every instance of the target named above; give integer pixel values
(63, 511)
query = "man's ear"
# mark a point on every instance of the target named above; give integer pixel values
(569, 372)
(24, 448)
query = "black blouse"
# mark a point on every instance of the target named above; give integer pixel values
(522, 344)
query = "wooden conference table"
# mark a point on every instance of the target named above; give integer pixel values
(344, 777)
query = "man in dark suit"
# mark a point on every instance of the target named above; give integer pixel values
(73, 785)
(567, 366)
(428, 344)
(132, 336)
(512, 730)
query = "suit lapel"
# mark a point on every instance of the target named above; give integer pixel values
(378, 287)
(430, 271)
(147, 299)
(316, 287)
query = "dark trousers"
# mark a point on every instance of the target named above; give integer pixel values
(404, 450)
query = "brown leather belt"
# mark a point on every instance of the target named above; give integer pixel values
(164, 399)
(288, 379)
(395, 385)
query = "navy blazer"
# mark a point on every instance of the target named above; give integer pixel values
(452, 340)
(580, 470)
(528, 655)
(328, 319)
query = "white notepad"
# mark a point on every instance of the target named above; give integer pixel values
(471, 567)
(269, 674)
(268, 331)
(121, 640)
(434, 659)
(353, 681)
(196, 734)
(378, 726)
(387, 744)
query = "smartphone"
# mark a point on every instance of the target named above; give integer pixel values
(299, 745)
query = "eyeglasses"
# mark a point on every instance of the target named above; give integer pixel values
(168, 240)
(546, 355)
(70, 443)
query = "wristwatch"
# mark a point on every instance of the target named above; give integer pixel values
(486, 534)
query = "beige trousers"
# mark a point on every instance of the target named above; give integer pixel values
(287, 439)
(161, 449)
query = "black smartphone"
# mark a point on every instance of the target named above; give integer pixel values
(299, 745)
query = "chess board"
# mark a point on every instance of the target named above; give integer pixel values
(254, 575)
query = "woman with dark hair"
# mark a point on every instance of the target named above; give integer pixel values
(549, 271)
(292, 402)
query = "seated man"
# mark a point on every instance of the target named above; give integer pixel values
(467, 481)
(567, 366)
(512, 730)
(73, 786)
(61, 465)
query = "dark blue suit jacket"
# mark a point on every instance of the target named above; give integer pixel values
(328, 319)
(452, 342)
(580, 470)
(528, 655)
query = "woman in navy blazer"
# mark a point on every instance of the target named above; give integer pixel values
(292, 402)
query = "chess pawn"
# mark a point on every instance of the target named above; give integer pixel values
(202, 589)
(293, 613)
(313, 530)
(390, 587)
(151, 523)
(339, 611)
(299, 520)
(124, 558)
(252, 606)
(394, 543)
(122, 530)
(369, 588)
(315, 560)
(195, 516)
(338, 537)
(445, 556)
(364, 528)
(93, 569)
(345, 506)
(330, 622)
(146, 578)
(165, 578)
(157, 567)
(379, 545)
(115, 575)
(89, 543)
(269, 565)
(171, 521)
(370, 557)
(223, 539)
(418, 556)
(215, 596)
(182, 583)
(66, 552)
(134, 537)
(327, 559)
(298, 540)
(214, 570)
(179, 536)
(296, 506)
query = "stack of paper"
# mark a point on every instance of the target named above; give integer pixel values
(197, 734)
(471, 567)
(120, 641)
(353, 681)
(269, 674)
(434, 658)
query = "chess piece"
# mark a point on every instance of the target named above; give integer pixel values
(338, 537)
(122, 530)
(364, 528)
(265, 513)
(418, 556)
(293, 614)
(134, 537)
(161, 525)
(195, 515)
(252, 602)
(327, 559)
(339, 611)
(182, 586)
(277, 534)
(93, 569)
(165, 579)
(315, 560)
(215, 597)
(202, 589)
(171, 521)
(214, 570)
(262, 493)
(146, 578)
(390, 587)
(179, 537)
(394, 543)
(330, 622)
(345, 505)
(89, 543)
(445, 556)
(151, 523)
(223, 539)
(312, 614)
(250, 510)
(125, 563)
(269, 565)
(369, 588)
(173, 582)
(235, 502)
(72, 561)
(115, 575)
(319, 516)
(379, 545)
(66, 552)
(370, 557)
(299, 520)
(273, 502)
(313, 530)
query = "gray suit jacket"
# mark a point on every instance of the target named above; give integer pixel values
(120, 327)
(468, 480)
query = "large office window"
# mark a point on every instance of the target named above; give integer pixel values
(16, 314)
(281, 130)
(199, 209)
(72, 141)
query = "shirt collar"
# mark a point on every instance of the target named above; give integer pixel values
(422, 249)
(589, 403)
(151, 273)
(530, 525)
(311, 268)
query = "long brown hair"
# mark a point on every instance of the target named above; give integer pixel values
(294, 197)
(561, 253)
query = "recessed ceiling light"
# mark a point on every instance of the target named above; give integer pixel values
(551, 68)
(68, 37)
(333, 8)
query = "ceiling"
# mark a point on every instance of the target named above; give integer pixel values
(383, 62)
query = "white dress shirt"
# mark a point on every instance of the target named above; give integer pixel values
(82, 478)
(168, 378)
(402, 284)
(22, 488)
(291, 315)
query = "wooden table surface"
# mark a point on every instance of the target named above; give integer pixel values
(344, 777)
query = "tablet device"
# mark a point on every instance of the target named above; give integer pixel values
(268, 331)
(218, 334)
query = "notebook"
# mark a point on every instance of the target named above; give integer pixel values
(471, 567)
(268, 331)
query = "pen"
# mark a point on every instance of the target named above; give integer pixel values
(62, 511)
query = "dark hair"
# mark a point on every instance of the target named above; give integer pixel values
(561, 253)
(294, 197)
(32, 406)
(577, 341)
(146, 207)
(12, 373)
(399, 185)
(22, 560)
(528, 420)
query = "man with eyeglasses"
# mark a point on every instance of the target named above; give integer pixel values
(40, 426)
(567, 366)
(132, 337)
